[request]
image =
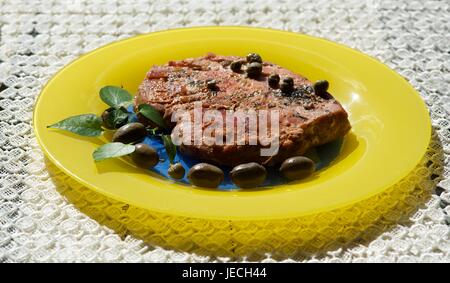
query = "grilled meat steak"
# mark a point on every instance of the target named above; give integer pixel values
(306, 119)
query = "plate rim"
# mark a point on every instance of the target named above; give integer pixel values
(105, 192)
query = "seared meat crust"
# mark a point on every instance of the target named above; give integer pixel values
(306, 119)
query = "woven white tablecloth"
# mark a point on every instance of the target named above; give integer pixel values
(38, 222)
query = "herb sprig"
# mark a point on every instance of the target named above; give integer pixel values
(116, 116)
(89, 125)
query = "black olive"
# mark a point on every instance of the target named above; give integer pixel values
(130, 133)
(211, 84)
(176, 171)
(106, 118)
(253, 57)
(321, 87)
(287, 85)
(145, 156)
(254, 69)
(296, 168)
(235, 66)
(248, 175)
(205, 175)
(273, 80)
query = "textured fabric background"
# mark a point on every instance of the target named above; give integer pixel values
(39, 222)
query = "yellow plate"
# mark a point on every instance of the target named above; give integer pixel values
(391, 125)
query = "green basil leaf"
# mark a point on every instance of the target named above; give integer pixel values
(85, 125)
(111, 150)
(115, 96)
(170, 147)
(116, 117)
(120, 118)
(152, 114)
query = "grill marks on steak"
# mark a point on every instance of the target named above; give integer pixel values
(306, 120)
